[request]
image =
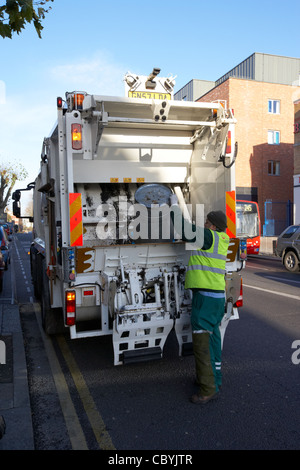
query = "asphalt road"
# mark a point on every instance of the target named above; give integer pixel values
(80, 400)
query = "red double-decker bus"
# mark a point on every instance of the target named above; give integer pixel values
(248, 225)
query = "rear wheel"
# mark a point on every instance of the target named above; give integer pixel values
(291, 262)
(36, 264)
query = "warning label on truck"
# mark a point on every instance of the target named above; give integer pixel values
(76, 228)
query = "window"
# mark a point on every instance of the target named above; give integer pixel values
(273, 137)
(274, 106)
(273, 168)
(290, 231)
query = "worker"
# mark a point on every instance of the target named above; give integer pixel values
(206, 277)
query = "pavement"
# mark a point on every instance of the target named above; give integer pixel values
(14, 391)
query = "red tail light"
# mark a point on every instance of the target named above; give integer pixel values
(76, 136)
(239, 302)
(70, 307)
(59, 102)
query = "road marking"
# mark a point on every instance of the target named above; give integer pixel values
(13, 285)
(273, 292)
(74, 428)
(102, 436)
(253, 266)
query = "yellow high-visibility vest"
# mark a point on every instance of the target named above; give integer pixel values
(206, 269)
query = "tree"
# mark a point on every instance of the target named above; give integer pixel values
(9, 174)
(16, 13)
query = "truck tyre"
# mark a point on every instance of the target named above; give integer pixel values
(36, 262)
(38, 280)
(52, 318)
(291, 262)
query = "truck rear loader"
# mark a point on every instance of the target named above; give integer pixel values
(105, 259)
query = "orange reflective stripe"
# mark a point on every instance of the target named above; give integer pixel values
(76, 227)
(231, 214)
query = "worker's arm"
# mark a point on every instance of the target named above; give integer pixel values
(189, 228)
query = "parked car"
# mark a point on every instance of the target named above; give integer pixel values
(288, 247)
(2, 267)
(4, 246)
(6, 228)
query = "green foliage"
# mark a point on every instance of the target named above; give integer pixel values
(16, 13)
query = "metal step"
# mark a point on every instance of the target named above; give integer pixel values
(141, 355)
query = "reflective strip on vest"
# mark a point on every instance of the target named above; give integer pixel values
(206, 269)
(200, 267)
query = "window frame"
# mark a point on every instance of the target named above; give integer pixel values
(275, 167)
(273, 133)
(271, 104)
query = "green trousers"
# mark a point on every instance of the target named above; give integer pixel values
(207, 314)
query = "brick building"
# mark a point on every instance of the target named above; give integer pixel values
(297, 162)
(261, 91)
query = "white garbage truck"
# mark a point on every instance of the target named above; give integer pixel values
(103, 261)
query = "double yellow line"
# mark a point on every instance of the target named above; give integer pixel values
(76, 434)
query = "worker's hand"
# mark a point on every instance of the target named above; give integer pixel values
(173, 200)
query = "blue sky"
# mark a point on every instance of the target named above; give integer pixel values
(90, 45)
